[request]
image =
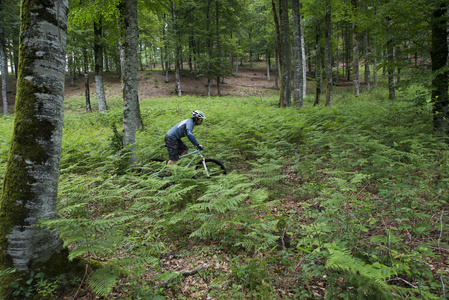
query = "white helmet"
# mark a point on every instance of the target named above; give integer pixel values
(198, 114)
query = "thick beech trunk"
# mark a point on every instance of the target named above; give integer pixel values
(32, 173)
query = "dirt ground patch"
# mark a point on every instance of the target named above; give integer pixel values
(247, 82)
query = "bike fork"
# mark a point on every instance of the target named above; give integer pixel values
(205, 168)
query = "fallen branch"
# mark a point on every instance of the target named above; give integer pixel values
(184, 273)
(403, 280)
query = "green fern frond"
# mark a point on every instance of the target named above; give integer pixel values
(102, 281)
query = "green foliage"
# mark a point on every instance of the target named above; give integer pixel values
(354, 194)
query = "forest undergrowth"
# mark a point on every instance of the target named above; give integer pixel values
(338, 202)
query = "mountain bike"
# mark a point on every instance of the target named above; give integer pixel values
(206, 166)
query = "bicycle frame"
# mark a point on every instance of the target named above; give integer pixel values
(195, 154)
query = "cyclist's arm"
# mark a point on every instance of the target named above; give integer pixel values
(191, 137)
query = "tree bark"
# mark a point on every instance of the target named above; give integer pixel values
(267, 55)
(3, 62)
(328, 46)
(439, 55)
(285, 91)
(98, 53)
(355, 51)
(176, 50)
(131, 110)
(32, 173)
(86, 80)
(304, 64)
(367, 57)
(318, 67)
(297, 53)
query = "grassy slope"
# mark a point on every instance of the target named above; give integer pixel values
(319, 201)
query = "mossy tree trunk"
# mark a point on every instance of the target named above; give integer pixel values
(31, 179)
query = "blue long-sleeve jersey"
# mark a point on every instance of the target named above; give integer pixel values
(183, 129)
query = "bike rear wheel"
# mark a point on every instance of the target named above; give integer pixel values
(214, 167)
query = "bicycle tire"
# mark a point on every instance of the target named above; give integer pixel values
(215, 167)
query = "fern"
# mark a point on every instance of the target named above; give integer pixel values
(369, 279)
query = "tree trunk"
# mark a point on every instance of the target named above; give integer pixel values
(209, 47)
(318, 67)
(86, 80)
(367, 58)
(98, 51)
(355, 51)
(3, 62)
(267, 55)
(328, 47)
(218, 43)
(131, 110)
(285, 92)
(439, 54)
(304, 64)
(121, 39)
(176, 50)
(297, 54)
(391, 80)
(32, 173)
(374, 45)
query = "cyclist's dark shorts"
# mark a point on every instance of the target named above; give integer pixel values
(175, 148)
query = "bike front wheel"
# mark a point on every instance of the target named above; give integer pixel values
(214, 167)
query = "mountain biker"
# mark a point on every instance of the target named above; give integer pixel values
(184, 128)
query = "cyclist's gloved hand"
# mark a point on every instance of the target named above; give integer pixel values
(199, 147)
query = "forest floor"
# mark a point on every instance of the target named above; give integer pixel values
(247, 82)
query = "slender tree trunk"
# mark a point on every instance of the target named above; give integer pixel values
(297, 53)
(337, 58)
(131, 110)
(98, 50)
(3, 62)
(391, 75)
(176, 50)
(278, 47)
(164, 34)
(267, 55)
(318, 67)
(278, 71)
(439, 55)
(30, 187)
(209, 47)
(367, 57)
(121, 39)
(218, 43)
(304, 63)
(285, 92)
(375, 51)
(355, 51)
(328, 42)
(86, 80)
